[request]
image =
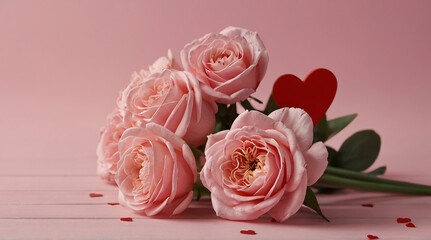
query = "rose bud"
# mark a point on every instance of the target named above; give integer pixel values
(229, 65)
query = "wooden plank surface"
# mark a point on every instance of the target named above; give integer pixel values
(50, 199)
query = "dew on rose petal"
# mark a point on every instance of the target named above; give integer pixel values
(95, 195)
(403, 220)
(249, 232)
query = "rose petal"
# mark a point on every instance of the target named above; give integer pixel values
(127, 219)
(316, 159)
(410, 225)
(290, 202)
(213, 138)
(369, 236)
(300, 123)
(251, 118)
(244, 210)
(249, 232)
(220, 97)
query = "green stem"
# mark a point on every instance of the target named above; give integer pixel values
(369, 178)
(328, 180)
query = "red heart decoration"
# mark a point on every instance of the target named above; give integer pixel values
(315, 94)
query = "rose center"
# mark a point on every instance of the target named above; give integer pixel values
(140, 186)
(248, 163)
(157, 91)
(222, 58)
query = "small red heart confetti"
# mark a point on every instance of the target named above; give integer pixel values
(273, 220)
(367, 205)
(410, 225)
(250, 232)
(315, 94)
(95, 195)
(369, 236)
(126, 219)
(113, 203)
(403, 220)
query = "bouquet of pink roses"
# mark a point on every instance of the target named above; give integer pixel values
(176, 133)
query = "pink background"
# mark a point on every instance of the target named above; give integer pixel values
(62, 64)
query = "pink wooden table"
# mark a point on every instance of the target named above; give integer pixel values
(50, 199)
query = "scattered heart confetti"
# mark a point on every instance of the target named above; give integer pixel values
(113, 203)
(95, 195)
(126, 219)
(315, 94)
(367, 205)
(410, 225)
(372, 237)
(250, 232)
(273, 220)
(403, 220)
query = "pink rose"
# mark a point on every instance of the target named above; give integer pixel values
(107, 149)
(172, 99)
(156, 171)
(263, 164)
(159, 65)
(229, 65)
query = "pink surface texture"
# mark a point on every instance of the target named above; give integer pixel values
(63, 63)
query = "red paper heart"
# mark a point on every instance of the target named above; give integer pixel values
(315, 94)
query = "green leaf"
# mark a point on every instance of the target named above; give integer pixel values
(321, 131)
(359, 151)
(225, 116)
(270, 106)
(378, 171)
(231, 114)
(222, 109)
(338, 124)
(199, 191)
(332, 155)
(325, 129)
(247, 105)
(311, 202)
(218, 127)
(197, 153)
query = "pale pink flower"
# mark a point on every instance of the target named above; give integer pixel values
(263, 164)
(174, 100)
(229, 65)
(137, 78)
(107, 149)
(156, 171)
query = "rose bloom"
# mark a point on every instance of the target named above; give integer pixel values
(263, 164)
(159, 65)
(229, 65)
(107, 149)
(174, 100)
(156, 171)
